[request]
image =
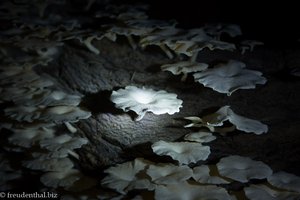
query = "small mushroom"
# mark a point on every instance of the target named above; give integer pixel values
(168, 173)
(184, 67)
(284, 180)
(183, 152)
(142, 100)
(243, 169)
(249, 45)
(184, 191)
(229, 77)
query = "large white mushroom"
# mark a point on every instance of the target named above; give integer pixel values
(142, 100)
(183, 152)
(229, 77)
(243, 169)
(215, 121)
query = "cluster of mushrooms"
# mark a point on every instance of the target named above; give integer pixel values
(38, 117)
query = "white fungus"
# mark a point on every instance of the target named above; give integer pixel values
(229, 77)
(142, 100)
(168, 173)
(243, 169)
(285, 180)
(183, 152)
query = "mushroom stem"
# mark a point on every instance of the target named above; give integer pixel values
(167, 51)
(70, 127)
(88, 44)
(140, 116)
(131, 42)
(73, 154)
(184, 77)
(194, 56)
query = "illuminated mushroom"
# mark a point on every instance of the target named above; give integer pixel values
(183, 152)
(229, 77)
(142, 100)
(243, 169)
(184, 67)
(60, 178)
(284, 180)
(168, 173)
(249, 45)
(215, 121)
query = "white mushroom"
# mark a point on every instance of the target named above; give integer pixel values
(183, 152)
(29, 137)
(229, 77)
(186, 191)
(184, 67)
(63, 145)
(243, 169)
(61, 114)
(48, 164)
(168, 173)
(60, 178)
(249, 45)
(215, 121)
(284, 180)
(142, 100)
(202, 174)
(124, 177)
(259, 192)
(200, 136)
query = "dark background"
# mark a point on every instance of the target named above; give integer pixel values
(274, 22)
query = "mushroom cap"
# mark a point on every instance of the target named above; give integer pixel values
(285, 180)
(62, 142)
(215, 120)
(183, 152)
(60, 178)
(184, 191)
(200, 136)
(258, 192)
(229, 77)
(48, 164)
(169, 174)
(243, 169)
(124, 177)
(184, 67)
(202, 175)
(28, 137)
(141, 100)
